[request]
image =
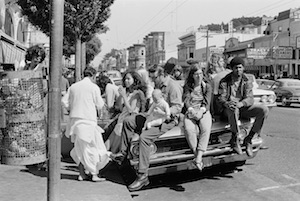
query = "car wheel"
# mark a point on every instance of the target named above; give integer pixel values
(284, 102)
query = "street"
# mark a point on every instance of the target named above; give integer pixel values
(274, 174)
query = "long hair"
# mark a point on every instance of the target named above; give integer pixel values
(190, 83)
(138, 85)
(102, 81)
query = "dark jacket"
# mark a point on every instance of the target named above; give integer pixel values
(225, 90)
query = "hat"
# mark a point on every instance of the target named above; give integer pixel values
(236, 61)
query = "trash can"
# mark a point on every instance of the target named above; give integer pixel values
(23, 118)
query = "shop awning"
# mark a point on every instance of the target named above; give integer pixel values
(11, 53)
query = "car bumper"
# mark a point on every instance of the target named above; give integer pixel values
(172, 161)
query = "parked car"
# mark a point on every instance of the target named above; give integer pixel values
(115, 76)
(287, 91)
(171, 152)
(264, 83)
(262, 96)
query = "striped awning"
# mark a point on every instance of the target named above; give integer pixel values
(10, 53)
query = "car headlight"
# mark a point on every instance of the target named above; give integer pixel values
(272, 98)
(263, 99)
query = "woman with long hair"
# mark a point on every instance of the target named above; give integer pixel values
(197, 121)
(131, 100)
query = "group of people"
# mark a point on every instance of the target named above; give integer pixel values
(150, 103)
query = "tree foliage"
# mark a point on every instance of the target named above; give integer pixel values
(82, 19)
(236, 23)
(93, 47)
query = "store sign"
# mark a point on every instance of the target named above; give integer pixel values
(258, 53)
(216, 50)
(282, 52)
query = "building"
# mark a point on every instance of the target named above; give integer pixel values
(161, 46)
(202, 43)
(136, 56)
(277, 53)
(13, 34)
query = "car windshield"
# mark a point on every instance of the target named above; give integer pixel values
(114, 74)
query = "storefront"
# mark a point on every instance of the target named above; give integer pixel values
(11, 51)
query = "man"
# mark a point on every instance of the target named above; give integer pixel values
(89, 151)
(172, 93)
(236, 96)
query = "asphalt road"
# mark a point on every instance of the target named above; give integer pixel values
(274, 174)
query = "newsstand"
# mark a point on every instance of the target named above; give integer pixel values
(22, 118)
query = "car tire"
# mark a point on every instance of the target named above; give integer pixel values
(284, 102)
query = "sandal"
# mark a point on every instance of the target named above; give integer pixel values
(81, 178)
(95, 178)
(199, 165)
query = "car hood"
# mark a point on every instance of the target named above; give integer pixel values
(294, 90)
(260, 92)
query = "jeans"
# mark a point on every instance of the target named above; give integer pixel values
(259, 112)
(134, 124)
(193, 128)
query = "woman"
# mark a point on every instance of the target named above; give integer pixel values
(131, 100)
(110, 93)
(196, 95)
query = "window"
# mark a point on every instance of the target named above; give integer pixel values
(142, 52)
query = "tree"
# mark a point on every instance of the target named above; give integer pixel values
(82, 19)
(93, 47)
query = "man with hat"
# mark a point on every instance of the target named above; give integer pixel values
(236, 97)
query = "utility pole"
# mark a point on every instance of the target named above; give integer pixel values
(54, 100)
(207, 49)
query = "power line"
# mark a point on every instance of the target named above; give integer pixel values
(268, 7)
(150, 20)
(164, 17)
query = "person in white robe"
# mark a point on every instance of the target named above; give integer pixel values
(89, 152)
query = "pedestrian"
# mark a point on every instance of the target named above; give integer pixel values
(89, 151)
(110, 93)
(215, 65)
(177, 72)
(215, 107)
(142, 71)
(172, 92)
(64, 86)
(197, 121)
(159, 111)
(131, 101)
(236, 97)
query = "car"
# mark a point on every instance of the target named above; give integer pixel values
(115, 76)
(264, 83)
(287, 91)
(171, 152)
(262, 96)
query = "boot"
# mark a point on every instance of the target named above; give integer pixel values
(235, 144)
(248, 144)
(141, 181)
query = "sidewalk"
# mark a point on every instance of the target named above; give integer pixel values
(17, 183)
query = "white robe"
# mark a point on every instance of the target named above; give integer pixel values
(89, 148)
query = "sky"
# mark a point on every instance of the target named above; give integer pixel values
(132, 20)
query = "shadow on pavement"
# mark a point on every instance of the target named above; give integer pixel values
(69, 170)
(175, 180)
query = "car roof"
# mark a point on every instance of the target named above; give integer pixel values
(287, 80)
